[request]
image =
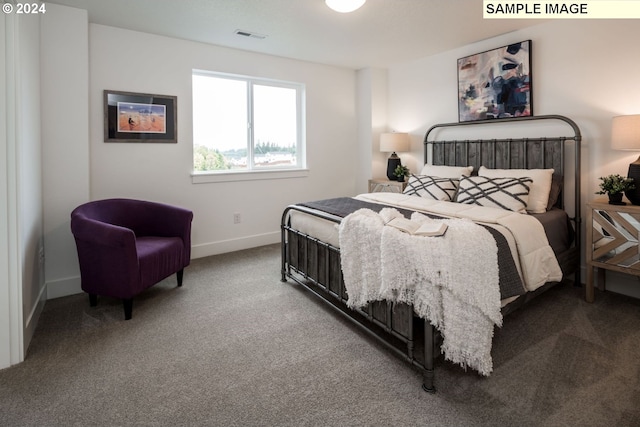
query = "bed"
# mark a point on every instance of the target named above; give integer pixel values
(327, 240)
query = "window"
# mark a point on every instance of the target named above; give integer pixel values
(246, 124)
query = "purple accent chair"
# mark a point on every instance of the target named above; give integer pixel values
(126, 246)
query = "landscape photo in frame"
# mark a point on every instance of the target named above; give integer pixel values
(139, 117)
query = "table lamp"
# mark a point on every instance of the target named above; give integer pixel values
(625, 135)
(390, 143)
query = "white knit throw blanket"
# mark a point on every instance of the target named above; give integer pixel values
(451, 280)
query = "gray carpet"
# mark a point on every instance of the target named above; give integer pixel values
(236, 347)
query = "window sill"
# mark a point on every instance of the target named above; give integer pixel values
(208, 177)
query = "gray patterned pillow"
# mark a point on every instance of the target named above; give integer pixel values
(432, 187)
(505, 193)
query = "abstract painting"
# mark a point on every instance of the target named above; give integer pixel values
(495, 84)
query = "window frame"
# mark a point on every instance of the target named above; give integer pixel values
(252, 171)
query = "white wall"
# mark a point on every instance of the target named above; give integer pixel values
(137, 62)
(10, 292)
(29, 174)
(22, 273)
(65, 139)
(583, 69)
(372, 121)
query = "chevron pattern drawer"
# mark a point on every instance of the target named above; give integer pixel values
(613, 235)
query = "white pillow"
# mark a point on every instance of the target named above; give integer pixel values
(540, 188)
(432, 187)
(504, 193)
(447, 171)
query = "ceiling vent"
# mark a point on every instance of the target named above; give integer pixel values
(250, 34)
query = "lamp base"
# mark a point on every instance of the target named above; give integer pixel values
(634, 173)
(393, 163)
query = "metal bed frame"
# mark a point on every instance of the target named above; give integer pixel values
(315, 264)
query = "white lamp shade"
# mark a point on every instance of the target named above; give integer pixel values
(625, 132)
(392, 142)
(344, 6)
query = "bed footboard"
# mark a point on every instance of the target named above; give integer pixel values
(315, 265)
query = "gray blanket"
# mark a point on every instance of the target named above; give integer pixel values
(510, 282)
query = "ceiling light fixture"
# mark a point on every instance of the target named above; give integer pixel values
(344, 6)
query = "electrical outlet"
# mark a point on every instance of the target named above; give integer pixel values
(236, 218)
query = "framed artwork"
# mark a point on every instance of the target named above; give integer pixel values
(495, 84)
(139, 117)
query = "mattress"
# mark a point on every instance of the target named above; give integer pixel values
(558, 233)
(556, 224)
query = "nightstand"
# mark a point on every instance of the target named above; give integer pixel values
(612, 241)
(386, 185)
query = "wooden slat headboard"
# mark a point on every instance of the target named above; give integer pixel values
(537, 152)
(525, 153)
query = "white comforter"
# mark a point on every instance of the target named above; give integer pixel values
(538, 263)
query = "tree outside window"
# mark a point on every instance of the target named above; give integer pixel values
(246, 124)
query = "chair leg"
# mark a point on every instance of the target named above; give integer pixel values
(179, 274)
(93, 300)
(128, 308)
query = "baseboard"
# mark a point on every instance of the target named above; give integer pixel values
(34, 317)
(72, 285)
(621, 283)
(63, 287)
(224, 246)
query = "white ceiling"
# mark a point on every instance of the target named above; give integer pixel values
(379, 34)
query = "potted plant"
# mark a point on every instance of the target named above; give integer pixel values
(400, 172)
(615, 186)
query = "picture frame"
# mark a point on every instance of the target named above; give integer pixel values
(496, 83)
(140, 117)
